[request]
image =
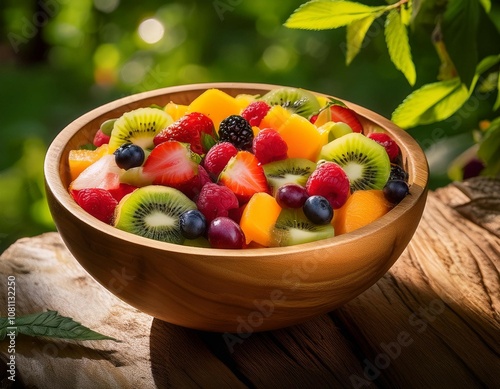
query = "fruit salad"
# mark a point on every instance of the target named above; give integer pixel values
(279, 169)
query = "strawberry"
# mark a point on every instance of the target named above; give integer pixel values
(330, 181)
(346, 115)
(244, 176)
(192, 187)
(255, 112)
(194, 128)
(98, 202)
(389, 144)
(217, 158)
(121, 191)
(100, 138)
(171, 163)
(269, 146)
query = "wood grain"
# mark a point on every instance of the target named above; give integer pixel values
(433, 320)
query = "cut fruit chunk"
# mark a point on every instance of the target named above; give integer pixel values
(302, 138)
(288, 171)
(153, 212)
(81, 159)
(176, 111)
(293, 227)
(104, 173)
(259, 218)
(275, 118)
(365, 162)
(361, 208)
(216, 104)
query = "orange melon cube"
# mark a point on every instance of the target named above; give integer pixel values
(361, 208)
(81, 159)
(216, 104)
(259, 218)
(302, 137)
(244, 100)
(275, 117)
(176, 111)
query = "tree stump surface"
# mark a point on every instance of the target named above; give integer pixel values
(432, 321)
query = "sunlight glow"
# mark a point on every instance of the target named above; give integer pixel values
(151, 31)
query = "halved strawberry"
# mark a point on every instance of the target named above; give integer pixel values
(244, 176)
(346, 115)
(171, 163)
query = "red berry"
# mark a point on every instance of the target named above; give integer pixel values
(97, 202)
(255, 112)
(100, 138)
(217, 158)
(330, 181)
(121, 191)
(215, 200)
(190, 128)
(269, 146)
(171, 163)
(346, 115)
(224, 233)
(389, 144)
(244, 175)
(192, 188)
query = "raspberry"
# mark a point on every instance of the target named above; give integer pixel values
(194, 128)
(236, 130)
(100, 138)
(255, 112)
(215, 201)
(330, 181)
(269, 146)
(217, 158)
(98, 202)
(389, 144)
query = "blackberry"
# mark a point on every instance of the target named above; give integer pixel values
(398, 173)
(236, 130)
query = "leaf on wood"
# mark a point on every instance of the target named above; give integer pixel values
(396, 37)
(356, 32)
(484, 212)
(431, 103)
(324, 15)
(479, 187)
(459, 28)
(51, 324)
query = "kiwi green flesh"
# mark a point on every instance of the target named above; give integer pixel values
(288, 171)
(153, 212)
(293, 227)
(299, 101)
(139, 127)
(365, 162)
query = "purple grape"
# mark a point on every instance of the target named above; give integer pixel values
(291, 196)
(225, 233)
(396, 190)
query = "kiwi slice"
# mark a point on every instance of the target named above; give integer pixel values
(299, 101)
(365, 162)
(293, 227)
(139, 127)
(153, 212)
(288, 171)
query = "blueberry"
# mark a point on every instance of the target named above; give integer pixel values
(129, 155)
(318, 210)
(396, 190)
(192, 224)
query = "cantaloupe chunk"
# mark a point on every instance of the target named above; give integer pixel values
(216, 104)
(275, 117)
(302, 137)
(176, 111)
(361, 208)
(259, 218)
(80, 159)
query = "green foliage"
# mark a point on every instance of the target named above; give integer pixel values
(465, 40)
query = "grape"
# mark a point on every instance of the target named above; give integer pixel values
(395, 191)
(129, 155)
(225, 233)
(291, 196)
(192, 224)
(318, 210)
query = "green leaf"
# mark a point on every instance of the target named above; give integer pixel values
(324, 14)
(356, 32)
(489, 149)
(396, 37)
(431, 103)
(459, 28)
(497, 102)
(487, 63)
(486, 4)
(51, 324)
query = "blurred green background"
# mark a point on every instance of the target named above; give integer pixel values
(61, 58)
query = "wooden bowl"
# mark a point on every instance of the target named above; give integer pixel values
(239, 291)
